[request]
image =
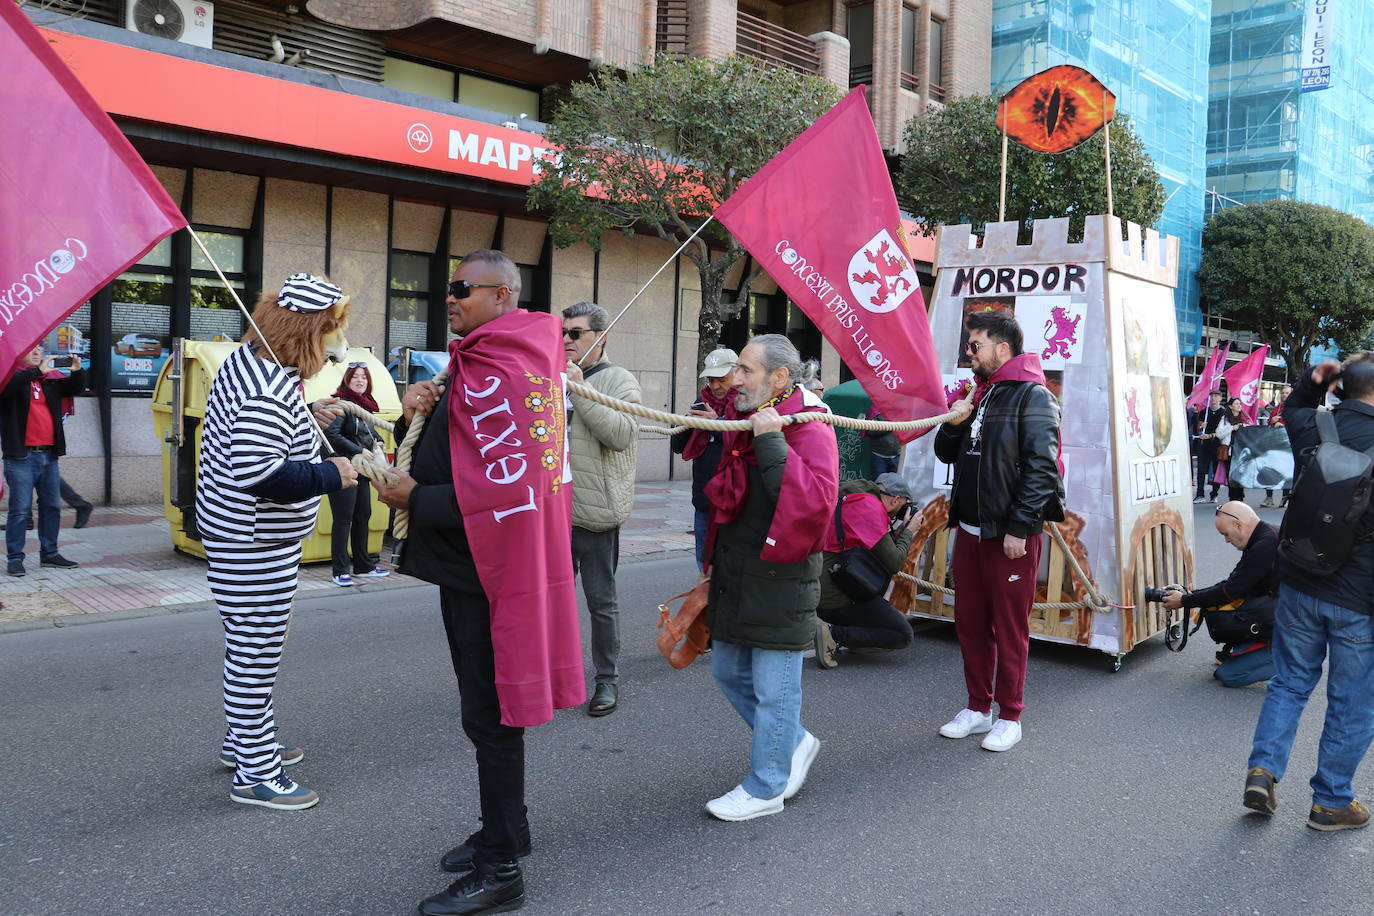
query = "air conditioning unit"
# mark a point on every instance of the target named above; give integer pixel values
(189, 21)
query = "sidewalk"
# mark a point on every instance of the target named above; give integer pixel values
(128, 567)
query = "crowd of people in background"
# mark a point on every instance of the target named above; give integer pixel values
(1210, 432)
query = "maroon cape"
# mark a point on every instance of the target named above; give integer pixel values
(507, 436)
(810, 483)
(865, 522)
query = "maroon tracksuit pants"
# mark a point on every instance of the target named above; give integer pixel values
(992, 602)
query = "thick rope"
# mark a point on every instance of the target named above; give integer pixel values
(811, 416)
(364, 414)
(1095, 601)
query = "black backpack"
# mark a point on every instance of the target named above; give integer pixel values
(1329, 499)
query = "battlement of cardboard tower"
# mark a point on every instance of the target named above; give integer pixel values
(1142, 253)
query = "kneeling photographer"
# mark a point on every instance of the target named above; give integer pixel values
(1238, 611)
(863, 553)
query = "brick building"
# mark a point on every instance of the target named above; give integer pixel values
(377, 140)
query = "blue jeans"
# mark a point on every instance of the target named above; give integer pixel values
(701, 521)
(1307, 630)
(22, 476)
(764, 686)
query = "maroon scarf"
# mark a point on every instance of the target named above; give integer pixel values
(507, 439)
(700, 438)
(361, 398)
(810, 484)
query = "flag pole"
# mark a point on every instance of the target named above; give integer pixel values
(253, 324)
(1002, 196)
(1107, 151)
(636, 296)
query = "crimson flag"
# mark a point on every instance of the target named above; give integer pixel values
(1242, 381)
(79, 204)
(1209, 379)
(822, 219)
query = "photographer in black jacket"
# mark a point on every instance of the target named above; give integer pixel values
(1255, 576)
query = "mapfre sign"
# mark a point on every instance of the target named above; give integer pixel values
(218, 100)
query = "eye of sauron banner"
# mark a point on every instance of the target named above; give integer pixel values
(822, 219)
(1056, 109)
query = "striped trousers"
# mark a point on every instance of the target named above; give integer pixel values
(253, 586)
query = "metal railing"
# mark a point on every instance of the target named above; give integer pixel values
(775, 46)
(670, 34)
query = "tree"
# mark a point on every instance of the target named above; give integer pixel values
(1301, 274)
(949, 174)
(661, 147)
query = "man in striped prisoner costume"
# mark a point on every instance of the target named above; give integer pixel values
(261, 479)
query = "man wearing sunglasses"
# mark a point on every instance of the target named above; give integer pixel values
(1007, 482)
(603, 442)
(487, 484)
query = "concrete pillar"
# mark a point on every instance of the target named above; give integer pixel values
(833, 50)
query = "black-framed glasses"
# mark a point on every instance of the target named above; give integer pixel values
(1220, 511)
(461, 289)
(575, 334)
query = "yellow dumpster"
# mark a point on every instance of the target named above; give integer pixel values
(179, 400)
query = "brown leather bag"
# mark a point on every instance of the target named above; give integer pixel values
(683, 636)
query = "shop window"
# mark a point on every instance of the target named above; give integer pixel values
(214, 314)
(502, 98)
(408, 300)
(421, 79)
(141, 321)
(72, 337)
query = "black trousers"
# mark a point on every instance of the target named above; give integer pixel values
(352, 509)
(500, 748)
(871, 624)
(1206, 466)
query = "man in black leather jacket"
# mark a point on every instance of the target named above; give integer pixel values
(1007, 481)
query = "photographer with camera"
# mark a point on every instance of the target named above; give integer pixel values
(1326, 580)
(1238, 610)
(872, 530)
(32, 441)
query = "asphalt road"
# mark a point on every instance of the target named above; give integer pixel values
(1123, 797)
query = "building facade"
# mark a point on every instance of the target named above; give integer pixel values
(1153, 55)
(377, 142)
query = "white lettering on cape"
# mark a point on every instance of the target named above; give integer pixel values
(506, 468)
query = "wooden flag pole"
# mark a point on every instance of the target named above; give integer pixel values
(1107, 152)
(1002, 196)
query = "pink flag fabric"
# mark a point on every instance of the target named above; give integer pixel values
(1242, 381)
(507, 435)
(1209, 379)
(78, 204)
(822, 219)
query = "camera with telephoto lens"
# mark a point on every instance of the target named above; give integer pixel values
(1155, 595)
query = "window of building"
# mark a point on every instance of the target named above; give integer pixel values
(214, 314)
(860, 42)
(408, 300)
(503, 98)
(910, 25)
(141, 321)
(936, 69)
(422, 79)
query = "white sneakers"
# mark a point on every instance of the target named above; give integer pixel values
(739, 805)
(966, 723)
(1003, 734)
(802, 758)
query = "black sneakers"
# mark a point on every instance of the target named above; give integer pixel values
(16, 567)
(57, 561)
(494, 888)
(459, 858)
(1259, 791)
(1351, 818)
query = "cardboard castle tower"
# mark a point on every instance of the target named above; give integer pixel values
(1100, 314)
